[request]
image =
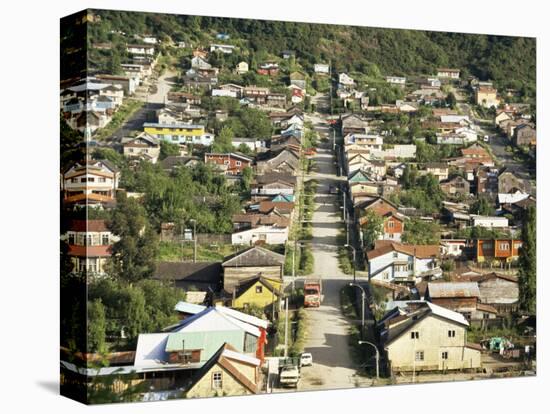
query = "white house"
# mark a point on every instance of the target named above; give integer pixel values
(452, 247)
(396, 262)
(263, 234)
(141, 49)
(345, 79)
(224, 92)
(489, 222)
(228, 49)
(199, 63)
(242, 67)
(254, 144)
(396, 80)
(321, 68)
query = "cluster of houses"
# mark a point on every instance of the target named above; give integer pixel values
(212, 351)
(89, 104)
(517, 127)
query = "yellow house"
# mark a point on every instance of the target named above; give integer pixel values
(179, 133)
(487, 96)
(227, 373)
(257, 291)
(428, 337)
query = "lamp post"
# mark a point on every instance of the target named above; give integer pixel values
(363, 297)
(349, 246)
(377, 356)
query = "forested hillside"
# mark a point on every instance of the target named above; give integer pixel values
(509, 61)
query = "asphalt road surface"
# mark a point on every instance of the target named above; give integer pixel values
(327, 337)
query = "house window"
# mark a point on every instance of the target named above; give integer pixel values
(485, 316)
(238, 163)
(226, 162)
(504, 246)
(419, 356)
(130, 150)
(259, 289)
(395, 255)
(468, 315)
(451, 334)
(71, 239)
(444, 355)
(105, 239)
(217, 381)
(415, 335)
(74, 180)
(89, 240)
(391, 224)
(102, 179)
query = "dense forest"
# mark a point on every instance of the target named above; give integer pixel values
(509, 61)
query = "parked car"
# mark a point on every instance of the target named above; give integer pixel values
(289, 376)
(306, 359)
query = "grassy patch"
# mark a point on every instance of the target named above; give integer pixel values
(174, 252)
(126, 110)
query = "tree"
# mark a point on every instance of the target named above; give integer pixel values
(482, 207)
(527, 275)
(224, 141)
(133, 256)
(450, 100)
(247, 176)
(96, 326)
(421, 232)
(168, 149)
(372, 228)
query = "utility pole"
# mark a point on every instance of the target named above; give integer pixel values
(286, 328)
(194, 240)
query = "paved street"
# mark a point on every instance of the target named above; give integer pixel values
(327, 337)
(146, 112)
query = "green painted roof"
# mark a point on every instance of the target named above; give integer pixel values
(207, 342)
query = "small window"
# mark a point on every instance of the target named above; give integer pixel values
(259, 289)
(238, 163)
(415, 335)
(226, 162)
(105, 239)
(444, 355)
(217, 380)
(419, 356)
(395, 255)
(74, 180)
(391, 224)
(451, 334)
(102, 179)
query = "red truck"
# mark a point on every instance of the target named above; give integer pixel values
(313, 293)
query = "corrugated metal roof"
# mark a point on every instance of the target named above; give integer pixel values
(187, 307)
(150, 350)
(453, 290)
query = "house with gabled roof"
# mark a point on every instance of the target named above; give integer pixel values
(422, 336)
(227, 373)
(90, 182)
(393, 221)
(258, 291)
(462, 297)
(402, 263)
(251, 262)
(285, 161)
(144, 146)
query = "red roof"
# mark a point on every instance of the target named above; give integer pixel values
(89, 251)
(88, 226)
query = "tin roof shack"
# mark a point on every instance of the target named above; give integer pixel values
(251, 262)
(462, 297)
(423, 336)
(499, 290)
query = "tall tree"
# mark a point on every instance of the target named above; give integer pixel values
(372, 228)
(528, 263)
(134, 254)
(96, 326)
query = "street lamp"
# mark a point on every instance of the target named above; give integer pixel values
(363, 297)
(349, 246)
(377, 356)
